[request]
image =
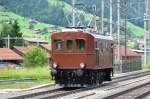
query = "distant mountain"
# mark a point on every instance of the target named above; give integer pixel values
(55, 11)
(47, 11)
(29, 27)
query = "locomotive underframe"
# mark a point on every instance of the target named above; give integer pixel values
(81, 77)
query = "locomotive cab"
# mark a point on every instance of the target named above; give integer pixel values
(76, 60)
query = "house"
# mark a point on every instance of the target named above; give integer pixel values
(47, 48)
(37, 31)
(33, 21)
(34, 41)
(9, 58)
(22, 50)
(141, 52)
(129, 62)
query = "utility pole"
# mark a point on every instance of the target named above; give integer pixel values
(73, 13)
(145, 39)
(123, 4)
(146, 28)
(102, 16)
(110, 2)
(148, 8)
(8, 45)
(118, 29)
(8, 39)
(125, 25)
(94, 13)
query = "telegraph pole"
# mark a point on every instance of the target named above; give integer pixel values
(110, 2)
(102, 16)
(73, 13)
(94, 13)
(125, 25)
(148, 8)
(145, 40)
(8, 45)
(123, 4)
(118, 29)
(8, 39)
(146, 28)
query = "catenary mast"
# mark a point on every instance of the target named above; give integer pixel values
(110, 17)
(118, 30)
(102, 16)
(73, 14)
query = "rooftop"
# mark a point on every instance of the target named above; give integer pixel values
(22, 50)
(8, 54)
(46, 46)
(35, 40)
(122, 51)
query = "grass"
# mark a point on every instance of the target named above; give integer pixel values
(42, 74)
(25, 73)
(146, 66)
(24, 84)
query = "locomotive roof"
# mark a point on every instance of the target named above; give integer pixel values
(94, 34)
(98, 36)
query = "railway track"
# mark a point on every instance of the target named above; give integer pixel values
(36, 92)
(147, 97)
(137, 91)
(17, 81)
(111, 87)
(118, 91)
(20, 81)
(59, 92)
(140, 92)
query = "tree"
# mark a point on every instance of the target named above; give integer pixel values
(35, 57)
(13, 30)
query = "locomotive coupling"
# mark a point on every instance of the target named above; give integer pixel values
(79, 72)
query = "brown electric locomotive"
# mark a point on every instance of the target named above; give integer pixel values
(81, 58)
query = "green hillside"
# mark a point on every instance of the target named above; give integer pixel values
(53, 12)
(27, 28)
(135, 30)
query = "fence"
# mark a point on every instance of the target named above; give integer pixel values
(128, 65)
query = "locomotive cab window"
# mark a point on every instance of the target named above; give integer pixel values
(58, 44)
(80, 44)
(69, 45)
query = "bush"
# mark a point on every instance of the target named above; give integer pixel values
(35, 57)
(146, 66)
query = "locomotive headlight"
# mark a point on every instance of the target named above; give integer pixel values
(82, 65)
(55, 65)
